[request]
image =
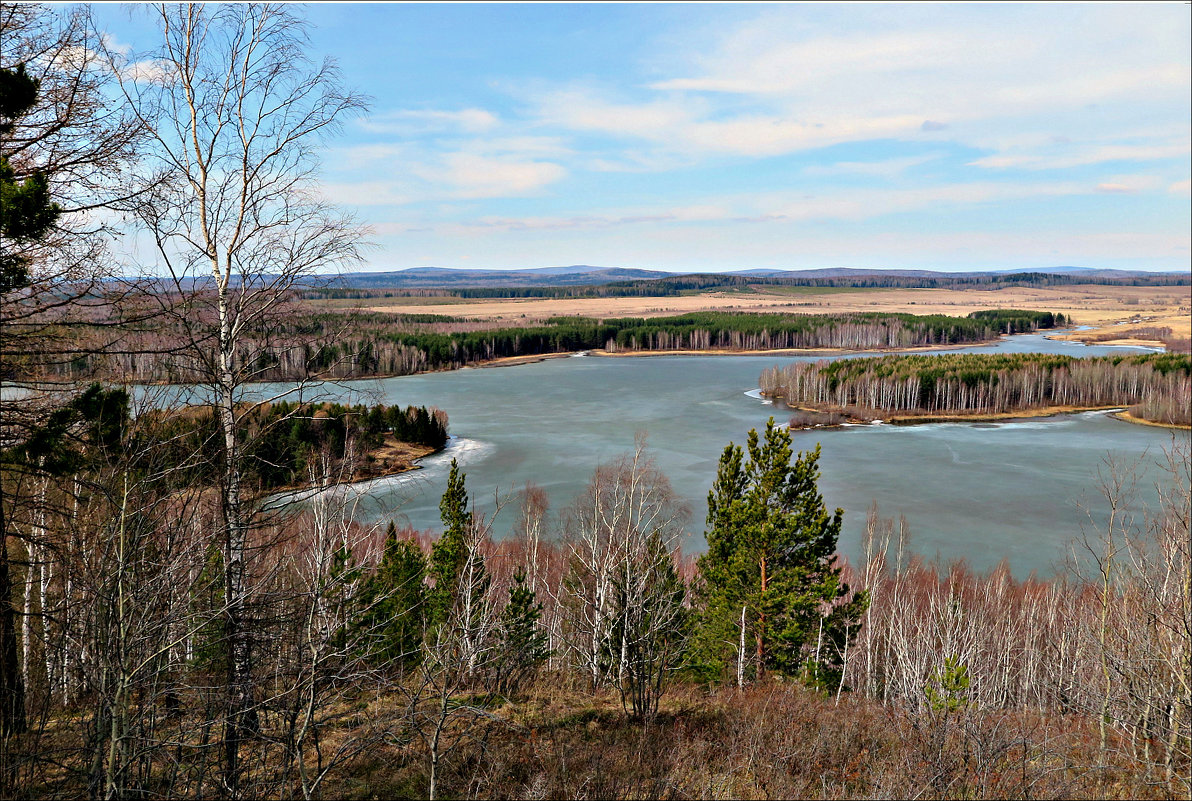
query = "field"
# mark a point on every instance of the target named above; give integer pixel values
(1114, 312)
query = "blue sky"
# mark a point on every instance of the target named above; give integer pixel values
(722, 137)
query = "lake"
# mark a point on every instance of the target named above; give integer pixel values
(983, 492)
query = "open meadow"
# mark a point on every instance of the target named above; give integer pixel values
(1125, 312)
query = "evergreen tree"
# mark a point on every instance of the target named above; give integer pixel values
(26, 211)
(450, 552)
(393, 600)
(524, 645)
(209, 647)
(768, 575)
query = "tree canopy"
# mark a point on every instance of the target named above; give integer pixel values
(769, 577)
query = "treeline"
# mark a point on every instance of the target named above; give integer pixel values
(1157, 386)
(291, 443)
(689, 283)
(354, 345)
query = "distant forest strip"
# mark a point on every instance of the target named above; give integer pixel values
(1156, 386)
(681, 284)
(289, 440)
(350, 345)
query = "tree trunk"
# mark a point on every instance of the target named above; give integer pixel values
(241, 719)
(761, 627)
(741, 654)
(12, 689)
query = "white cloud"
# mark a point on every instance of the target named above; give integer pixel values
(478, 176)
(788, 207)
(1083, 155)
(1183, 187)
(789, 82)
(1129, 184)
(408, 121)
(150, 71)
(365, 193)
(869, 203)
(887, 168)
(586, 110)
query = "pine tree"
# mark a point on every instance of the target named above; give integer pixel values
(340, 593)
(769, 576)
(26, 211)
(209, 648)
(449, 553)
(524, 645)
(392, 601)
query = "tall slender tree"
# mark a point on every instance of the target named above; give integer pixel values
(235, 113)
(450, 551)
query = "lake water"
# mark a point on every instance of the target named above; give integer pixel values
(984, 492)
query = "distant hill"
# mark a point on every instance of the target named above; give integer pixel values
(580, 275)
(449, 278)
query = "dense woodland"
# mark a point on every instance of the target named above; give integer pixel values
(1156, 386)
(173, 626)
(291, 441)
(347, 345)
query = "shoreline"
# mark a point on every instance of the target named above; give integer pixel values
(787, 351)
(399, 457)
(1118, 412)
(535, 358)
(1126, 417)
(1124, 342)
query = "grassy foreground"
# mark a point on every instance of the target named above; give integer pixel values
(773, 740)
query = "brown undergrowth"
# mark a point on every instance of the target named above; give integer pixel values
(773, 740)
(770, 741)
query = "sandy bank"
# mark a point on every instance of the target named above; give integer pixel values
(785, 351)
(391, 458)
(1129, 418)
(534, 358)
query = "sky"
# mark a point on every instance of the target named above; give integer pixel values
(717, 137)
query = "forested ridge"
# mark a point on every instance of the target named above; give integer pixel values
(347, 345)
(1156, 386)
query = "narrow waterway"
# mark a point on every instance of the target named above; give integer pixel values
(1018, 490)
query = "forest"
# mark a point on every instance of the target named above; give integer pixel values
(174, 624)
(1155, 386)
(289, 439)
(358, 344)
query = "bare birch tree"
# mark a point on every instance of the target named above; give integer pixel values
(235, 113)
(619, 535)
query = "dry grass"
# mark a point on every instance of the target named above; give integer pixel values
(769, 741)
(1102, 307)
